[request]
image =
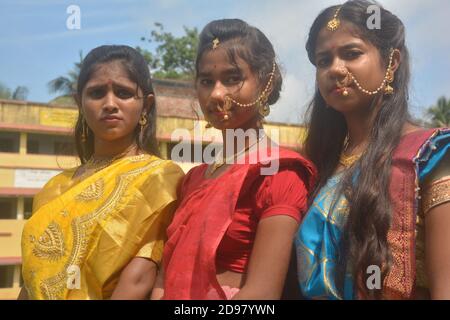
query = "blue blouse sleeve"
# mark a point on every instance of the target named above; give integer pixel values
(433, 152)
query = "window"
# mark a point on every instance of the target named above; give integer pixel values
(8, 208)
(9, 142)
(28, 208)
(6, 276)
(50, 144)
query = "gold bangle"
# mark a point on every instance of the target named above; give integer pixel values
(437, 193)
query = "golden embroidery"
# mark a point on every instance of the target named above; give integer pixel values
(92, 192)
(400, 280)
(438, 193)
(54, 287)
(50, 244)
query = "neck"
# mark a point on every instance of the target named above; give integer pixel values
(236, 140)
(109, 149)
(358, 127)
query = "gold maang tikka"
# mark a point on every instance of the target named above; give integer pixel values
(334, 23)
(215, 43)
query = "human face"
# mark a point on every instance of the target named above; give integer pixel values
(112, 103)
(218, 78)
(342, 51)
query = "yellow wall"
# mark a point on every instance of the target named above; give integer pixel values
(10, 246)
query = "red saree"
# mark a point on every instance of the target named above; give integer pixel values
(204, 214)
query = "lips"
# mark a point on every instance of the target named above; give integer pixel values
(110, 118)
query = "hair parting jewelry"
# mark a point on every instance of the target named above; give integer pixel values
(334, 23)
(215, 43)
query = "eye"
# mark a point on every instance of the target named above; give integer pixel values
(96, 93)
(206, 82)
(124, 94)
(233, 80)
(322, 62)
(353, 54)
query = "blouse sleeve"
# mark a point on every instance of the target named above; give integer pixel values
(436, 186)
(284, 193)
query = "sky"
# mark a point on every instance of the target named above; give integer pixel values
(36, 46)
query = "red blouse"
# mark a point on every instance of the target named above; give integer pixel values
(284, 193)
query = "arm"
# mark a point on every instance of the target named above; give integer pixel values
(136, 280)
(436, 203)
(158, 289)
(269, 259)
(437, 242)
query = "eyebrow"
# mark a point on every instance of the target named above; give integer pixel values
(229, 71)
(350, 45)
(115, 84)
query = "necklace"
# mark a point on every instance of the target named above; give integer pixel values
(94, 164)
(348, 161)
(220, 161)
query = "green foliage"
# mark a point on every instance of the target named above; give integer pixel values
(66, 85)
(440, 113)
(20, 93)
(174, 57)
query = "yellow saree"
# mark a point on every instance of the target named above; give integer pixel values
(84, 232)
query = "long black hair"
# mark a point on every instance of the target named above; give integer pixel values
(244, 41)
(366, 186)
(139, 72)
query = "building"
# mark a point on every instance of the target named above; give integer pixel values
(36, 144)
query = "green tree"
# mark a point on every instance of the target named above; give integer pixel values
(66, 85)
(20, 93)
(440, 113)
(174, 57)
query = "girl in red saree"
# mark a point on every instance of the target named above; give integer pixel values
(232, 234)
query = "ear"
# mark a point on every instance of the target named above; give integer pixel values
(149, 102)
(396, 60)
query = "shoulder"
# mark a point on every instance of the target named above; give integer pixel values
(432, 155)
(293, 162)
(63, 177)
(162, 169)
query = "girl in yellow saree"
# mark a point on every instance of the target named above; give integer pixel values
(98, 230)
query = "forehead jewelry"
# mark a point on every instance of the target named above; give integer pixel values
(334, 23)
(215, 43)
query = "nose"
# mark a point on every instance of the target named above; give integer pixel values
(218, 93)
(110, 104)
(338, 70)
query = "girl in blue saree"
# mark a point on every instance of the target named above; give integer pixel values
(382, 200)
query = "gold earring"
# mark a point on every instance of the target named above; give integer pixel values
(388, 90)
(263, 106)
(143, 120)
